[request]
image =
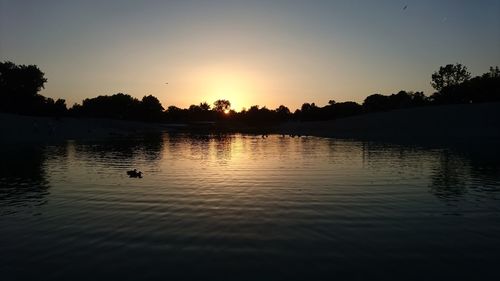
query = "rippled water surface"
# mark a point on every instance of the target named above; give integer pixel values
(239, 207)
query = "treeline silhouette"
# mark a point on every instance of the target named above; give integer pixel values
(120, 106)
(484, 88)
(20, 84)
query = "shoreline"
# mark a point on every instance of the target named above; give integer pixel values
(443, 124)
(27, 129)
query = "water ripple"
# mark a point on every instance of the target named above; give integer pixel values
(247, 206)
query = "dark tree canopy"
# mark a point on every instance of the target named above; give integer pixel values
(345, 109)
(494, 72)
(19, 87)
(20, 80)
(376, 102)
(204, 106)
(120, 106)
(199, 112)
(283, 110)
(222, 105)
(151, 103)
(484, 88)
(150, 109)
(402, 99)
(449, 75)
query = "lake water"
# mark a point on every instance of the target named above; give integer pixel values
(239, 207)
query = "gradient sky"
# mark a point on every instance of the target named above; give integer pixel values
(250, 52)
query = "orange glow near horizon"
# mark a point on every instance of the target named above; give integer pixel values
(228, 82)
(242, 86)
(265, 53)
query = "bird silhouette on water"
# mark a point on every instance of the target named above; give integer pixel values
(134, 173)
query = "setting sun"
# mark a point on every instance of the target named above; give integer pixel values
(256, 140)
(232, 82)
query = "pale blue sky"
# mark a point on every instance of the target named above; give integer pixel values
(250, 52)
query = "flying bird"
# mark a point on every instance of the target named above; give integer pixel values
(404, 8)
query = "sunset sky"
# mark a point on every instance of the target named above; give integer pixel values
(249, 52)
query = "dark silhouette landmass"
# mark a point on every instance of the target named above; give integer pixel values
(473, 123)
(20, 84)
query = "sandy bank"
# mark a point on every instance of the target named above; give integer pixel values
(18, 128)
(464, 122)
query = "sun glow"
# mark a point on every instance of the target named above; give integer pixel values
(236, 84)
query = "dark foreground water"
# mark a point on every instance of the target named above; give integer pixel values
(245, 208)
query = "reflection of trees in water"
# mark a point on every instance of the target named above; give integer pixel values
(450, 176)
(223, 147)
(461, 170)
(484, 168)
(152, 147)
(148, 146)
(340, 150)
(453, 171)
(23, 180)
(200, 146)
(310, 148)
(401, 156)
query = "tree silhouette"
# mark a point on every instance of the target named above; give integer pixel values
(19, 87)
(309, 112)
(484, 88)
(21, 80)
(348, 108)
(376, 102)
(283, 113)
(120, 106)
(200, 112)
(402, 99)
(494, 72)
(204, 106)
(222, 105)
(449, 75)
(175, 114)
(151, 108)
